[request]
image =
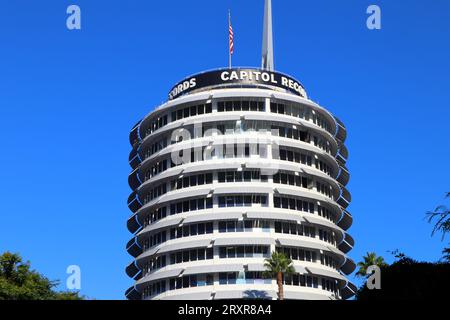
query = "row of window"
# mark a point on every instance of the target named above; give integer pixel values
(249, 277)
(322, 144)
(324, 189)
(191, 111)
(298, 254)
(292, 133)
(230, 151)
(290, 110)
(294, 156)
(155, 147)
(230, 278)
(191, 205)
(154, 264)
(192, 181)
(291, 179)
(330, 285)
(191, 230)
(154, 240)
(236, 176)
(192, 255)
(301, 281)
(243, 225)
(300, 112)
(244, 251)
(328, 261)
(238, 226)
(154, 289)
(155, 215)
(155, 169)
(238, 105)
(242, 201)
(191, 281)
(327, 236)
(200, 204)
(295, 228)
(237, 127)
(230, 252)
(326, 213)
(234, 151)
(242, 176)
(155, 193)
(156, 124)
(220, 152)
(293, 204)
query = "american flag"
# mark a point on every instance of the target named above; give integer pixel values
(231, 37)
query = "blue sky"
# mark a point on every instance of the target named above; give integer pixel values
(69, 98)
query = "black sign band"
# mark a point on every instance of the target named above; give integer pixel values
(241, 77)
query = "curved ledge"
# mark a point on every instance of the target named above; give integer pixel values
(134, 159)
(244, 138)
(134, 204)
(349, 291)
(345, 195)
(249, 213)
(173, 245)
(343, 151)
(235, 116)
(292, 242)
(349, 266)
(133, 179)
(194, 192)
(234, 267)
(345, 247)
(241, 93)
(235, 164)
(346, 220)
(134, 134)
(349, 239)
(133, 224)
(343, 176)
(341, 133)
(132, 294)
(132, 270)
(133, 247)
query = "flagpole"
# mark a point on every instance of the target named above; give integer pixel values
(229, 49)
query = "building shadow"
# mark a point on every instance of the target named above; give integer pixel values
(256, 295)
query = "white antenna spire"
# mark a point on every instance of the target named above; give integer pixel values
(267, 49)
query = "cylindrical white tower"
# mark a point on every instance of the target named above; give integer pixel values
(237, 164)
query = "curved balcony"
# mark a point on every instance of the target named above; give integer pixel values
(341, 134)
(134, 203)
(133, 179)
(132, 294)
(134, 134)
(133, 271)
(343, 176)
(134, 248)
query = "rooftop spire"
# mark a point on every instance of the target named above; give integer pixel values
(267, 48)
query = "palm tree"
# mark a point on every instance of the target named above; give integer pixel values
(277, 266)
(442, 213)
(446, 255)
(370, 259)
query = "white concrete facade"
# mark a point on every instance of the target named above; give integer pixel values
(202, 228)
